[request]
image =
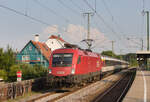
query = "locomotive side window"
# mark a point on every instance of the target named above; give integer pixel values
(62, 59)
(79, 60)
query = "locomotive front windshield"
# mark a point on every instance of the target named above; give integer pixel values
(62, 60)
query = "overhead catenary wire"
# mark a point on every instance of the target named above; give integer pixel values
(51, 10)
(26, 7)
(69, 8)
(143, 4)
(23, 14)
(81, 9)
(110, 13)
(142, 18)
(98, 43)
(75, 4)
(136, 42)
(99, 16)
(108, 10)
(102, 19)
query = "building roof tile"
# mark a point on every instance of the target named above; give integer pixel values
(43, 48)
(57, 37)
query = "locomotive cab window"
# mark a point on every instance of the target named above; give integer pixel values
(62, 59)
(79, 60)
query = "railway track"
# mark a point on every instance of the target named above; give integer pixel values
(74, 94)
(52, 95)
(117, 91)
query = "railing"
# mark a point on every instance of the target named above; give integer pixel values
(15, 89)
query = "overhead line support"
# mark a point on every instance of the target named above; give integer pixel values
(88, 40)
(147, 12)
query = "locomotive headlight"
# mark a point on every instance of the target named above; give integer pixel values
(50, 71)
(72, 71)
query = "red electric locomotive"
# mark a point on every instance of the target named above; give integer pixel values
(74, 65)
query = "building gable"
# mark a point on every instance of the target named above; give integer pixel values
(29, 48)
(55, 42)
(34, 52)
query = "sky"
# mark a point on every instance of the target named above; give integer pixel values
(120, 21)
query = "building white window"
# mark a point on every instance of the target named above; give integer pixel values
(25, 58)
(30, 48)
(38, 59)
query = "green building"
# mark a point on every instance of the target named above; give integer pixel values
(34, 52)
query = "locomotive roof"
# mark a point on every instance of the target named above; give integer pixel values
(83, 52)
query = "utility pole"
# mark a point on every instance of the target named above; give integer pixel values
(121, 57)
(95, 6)
(112, 46)
(147, 12)
(142, 44)
(88, 40)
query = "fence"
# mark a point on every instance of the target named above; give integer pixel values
(15, 89)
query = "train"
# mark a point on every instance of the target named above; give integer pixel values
(76, 66)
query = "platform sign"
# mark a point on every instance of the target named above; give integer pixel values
(19, 75)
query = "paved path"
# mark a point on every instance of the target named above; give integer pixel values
(140, 89)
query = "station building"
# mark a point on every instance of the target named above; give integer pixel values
(143, 58)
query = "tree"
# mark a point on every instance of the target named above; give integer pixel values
(131, 57)
(7, 58)
(9, 67)
(108, 53)
(1, 59)
(3, 74)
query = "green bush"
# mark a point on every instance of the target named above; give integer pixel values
(12, 73)
(8, 67)
(28, 72)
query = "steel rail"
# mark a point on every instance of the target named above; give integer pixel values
(67, 94)
(99, 97)
(62, 95)
(124, 91)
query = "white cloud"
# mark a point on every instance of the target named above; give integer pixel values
(51, 29)
(48, 31)
(76, 33)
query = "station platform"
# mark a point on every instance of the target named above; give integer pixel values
(140, 89)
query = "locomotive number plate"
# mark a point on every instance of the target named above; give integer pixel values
(60, 72)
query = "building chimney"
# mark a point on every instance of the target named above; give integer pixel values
(37, 38)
